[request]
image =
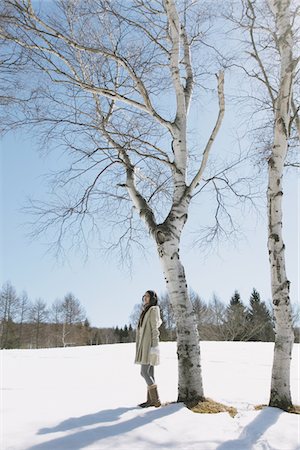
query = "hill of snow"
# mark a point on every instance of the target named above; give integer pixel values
(86, 397)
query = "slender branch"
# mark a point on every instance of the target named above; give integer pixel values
(256, 53)
(213, 135)
(174, 33)
(188, 67)
(296, 117)
(145, 30)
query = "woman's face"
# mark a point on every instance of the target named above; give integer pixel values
(146, 298)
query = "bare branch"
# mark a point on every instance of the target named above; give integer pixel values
(174, 33)
(48, 30)
(213, 135)
(251, 15)
(188, 67)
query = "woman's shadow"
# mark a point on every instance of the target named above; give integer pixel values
(83, 438)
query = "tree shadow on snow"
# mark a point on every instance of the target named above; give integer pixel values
(108, 415)
(252, 432)
(83, 438)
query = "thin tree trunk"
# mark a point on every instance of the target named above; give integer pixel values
(284, 338)
(280, 385)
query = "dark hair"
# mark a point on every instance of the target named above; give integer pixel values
(153, 298)
(153, 302)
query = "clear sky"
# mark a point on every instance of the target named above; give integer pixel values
(107, 291)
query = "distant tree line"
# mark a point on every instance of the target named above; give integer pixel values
(220, 322)
(27, 324)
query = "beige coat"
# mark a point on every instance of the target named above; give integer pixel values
(147, 336)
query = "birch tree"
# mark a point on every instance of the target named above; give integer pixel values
(38, 316)
(72, 313)
(115, 80)
(23, 314)
(283, 115)
(9, 307)
(271, 28)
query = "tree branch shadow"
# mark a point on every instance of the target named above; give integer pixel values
(252, 432)
(83, 438)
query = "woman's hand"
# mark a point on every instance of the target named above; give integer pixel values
(154, 350)
(154, 356)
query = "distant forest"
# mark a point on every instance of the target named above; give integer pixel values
(27, 324)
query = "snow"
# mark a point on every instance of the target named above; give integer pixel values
(86, 397)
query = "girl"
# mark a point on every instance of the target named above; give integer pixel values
(147, 349)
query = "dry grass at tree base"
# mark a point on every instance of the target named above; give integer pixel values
(209, 406)
(295, 409)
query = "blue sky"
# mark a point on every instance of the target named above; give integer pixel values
(107, 291)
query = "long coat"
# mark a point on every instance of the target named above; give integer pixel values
(147, 336)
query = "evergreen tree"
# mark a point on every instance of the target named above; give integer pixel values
(259, 318)
(125, 334)
(87, 323)
(235, 299)
(131, 332)
(236, 319)
(118, 333)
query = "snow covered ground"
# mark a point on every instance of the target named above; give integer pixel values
(86, 397)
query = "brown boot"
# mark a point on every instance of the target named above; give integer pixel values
(154, 396)
(147, 403)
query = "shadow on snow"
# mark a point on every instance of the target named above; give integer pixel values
(252, 432)
(83, 438)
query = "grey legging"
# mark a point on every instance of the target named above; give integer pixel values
(147, 372)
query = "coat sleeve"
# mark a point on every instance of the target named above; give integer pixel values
(155, 322)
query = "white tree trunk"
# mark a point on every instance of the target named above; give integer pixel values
(280, 386)
(188, 350)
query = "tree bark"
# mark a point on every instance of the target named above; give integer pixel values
(280, 385)
(188, 350)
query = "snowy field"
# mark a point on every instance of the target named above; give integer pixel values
(86, 397)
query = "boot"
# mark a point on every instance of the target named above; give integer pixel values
(154, 396)
(147, 403)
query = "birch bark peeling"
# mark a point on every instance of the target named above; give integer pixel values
(280, 395)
